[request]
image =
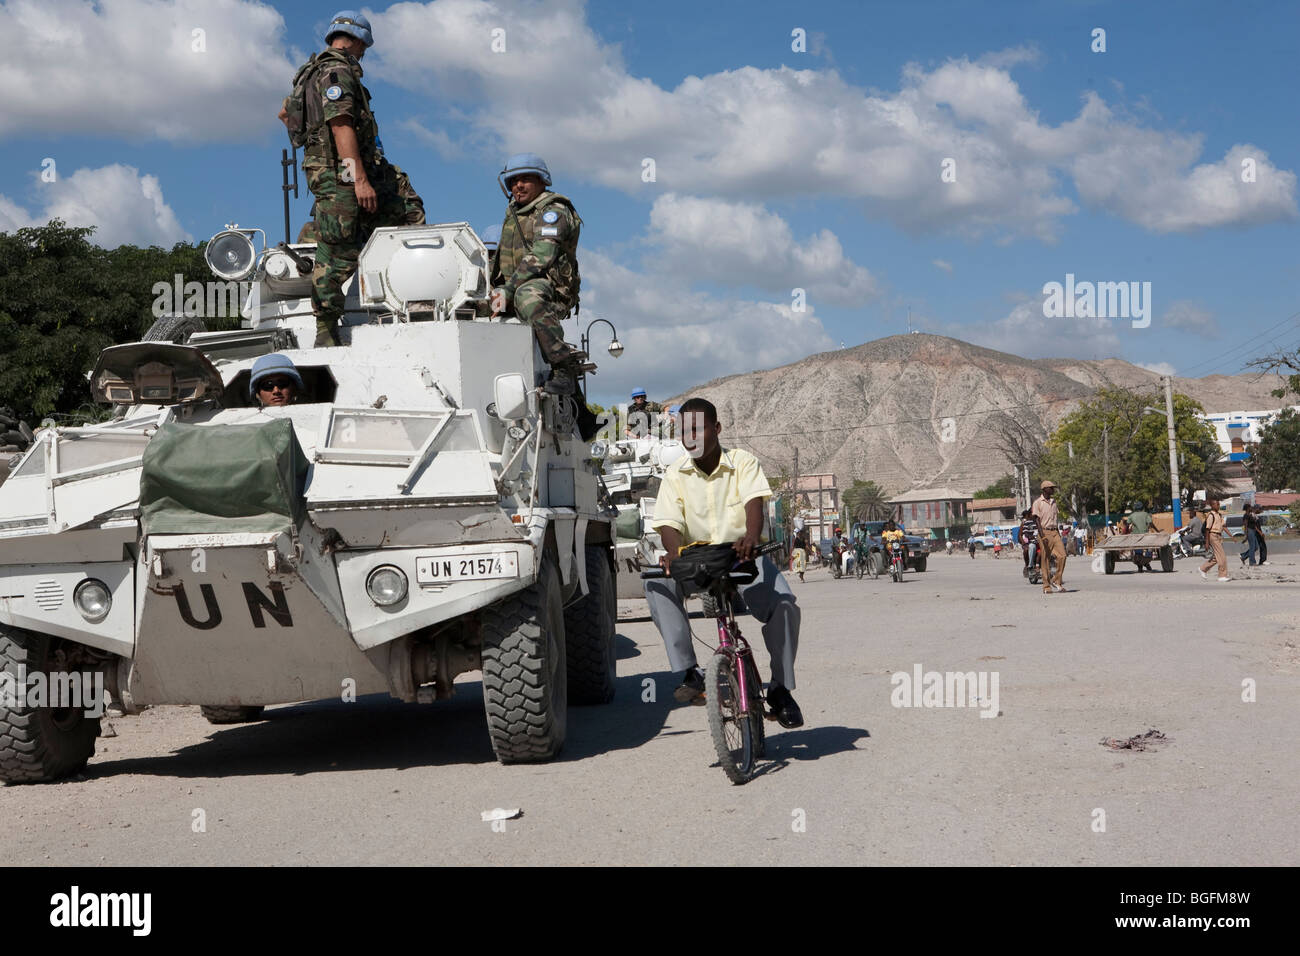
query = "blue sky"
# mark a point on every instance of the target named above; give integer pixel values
(775, 169)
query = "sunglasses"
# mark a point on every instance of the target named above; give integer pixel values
(267, 385)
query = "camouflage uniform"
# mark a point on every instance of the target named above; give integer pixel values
(537, 266)
(341, 225)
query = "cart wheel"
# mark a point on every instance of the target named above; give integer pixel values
(1110, 562)
(1166, 559)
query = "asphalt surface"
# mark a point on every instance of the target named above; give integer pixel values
(863, 782)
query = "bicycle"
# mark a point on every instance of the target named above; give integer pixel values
(733, 692)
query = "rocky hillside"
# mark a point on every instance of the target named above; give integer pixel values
(920, 410)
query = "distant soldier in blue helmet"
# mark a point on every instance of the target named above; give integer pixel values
(328, 114)
(638, 415)
(535, 274)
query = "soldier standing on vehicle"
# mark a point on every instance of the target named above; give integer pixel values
(1049, 538)
(356, 189)
(536, 273)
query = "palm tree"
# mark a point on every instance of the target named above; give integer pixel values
(866, 502)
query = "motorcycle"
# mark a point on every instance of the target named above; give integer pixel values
(1185, 547)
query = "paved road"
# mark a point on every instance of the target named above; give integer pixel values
(378, 782)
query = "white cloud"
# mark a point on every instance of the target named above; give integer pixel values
(130, 68)
(123, 205)
(1160, 368)
(739, 244)
(1027, 332)
(1190, 317)
(676, 337)
(783, 132)
(943, 264)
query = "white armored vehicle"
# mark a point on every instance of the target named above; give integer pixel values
(423, 510)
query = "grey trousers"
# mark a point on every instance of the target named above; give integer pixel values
(768, 598)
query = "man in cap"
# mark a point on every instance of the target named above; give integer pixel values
(1049, 538)
(536, 268)
(638, 415)
(356, 189)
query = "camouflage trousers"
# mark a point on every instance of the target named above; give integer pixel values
(537, 303)
(342, 228)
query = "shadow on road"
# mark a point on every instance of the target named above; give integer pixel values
(812, 743)
(378, 732)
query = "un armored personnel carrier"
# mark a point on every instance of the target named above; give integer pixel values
(424, 510)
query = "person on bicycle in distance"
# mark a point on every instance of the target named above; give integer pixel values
(715, 495)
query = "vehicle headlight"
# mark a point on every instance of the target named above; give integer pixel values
(231, 255)
(386, 585)
(93, 599)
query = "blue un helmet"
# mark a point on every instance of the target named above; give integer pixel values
(491, 237)
(353, 24)
(518, 165)
(274, 364)
(638, 393)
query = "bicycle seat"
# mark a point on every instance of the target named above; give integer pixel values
(700, 567)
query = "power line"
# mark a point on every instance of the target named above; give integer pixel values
(1218, 361)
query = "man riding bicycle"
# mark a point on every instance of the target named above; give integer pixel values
(715, 496)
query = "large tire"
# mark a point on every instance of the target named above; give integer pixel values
(231, 714)
(525, 680)
(589, 634)
(1109, 562)
(919, 563)
(39, 744)
(1166, 559)
(174, 328)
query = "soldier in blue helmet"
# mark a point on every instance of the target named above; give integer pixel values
(328, 113)
(274, 381)
(535, 273)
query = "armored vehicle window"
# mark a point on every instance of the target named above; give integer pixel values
(86, 451)
(318, 382)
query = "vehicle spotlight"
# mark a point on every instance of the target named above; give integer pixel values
(93, 599)
(230, 255)
(616, 348)
(386, 585)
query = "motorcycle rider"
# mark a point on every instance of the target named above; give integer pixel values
(892, 538)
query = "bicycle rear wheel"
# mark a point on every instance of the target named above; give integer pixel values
(733, 735)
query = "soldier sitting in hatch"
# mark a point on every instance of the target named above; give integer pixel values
(275, 381)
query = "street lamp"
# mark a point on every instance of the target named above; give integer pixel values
(615, 346)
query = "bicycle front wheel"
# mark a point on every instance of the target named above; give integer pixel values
(733, 734)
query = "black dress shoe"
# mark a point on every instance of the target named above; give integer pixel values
(783, 707)
(692, 689)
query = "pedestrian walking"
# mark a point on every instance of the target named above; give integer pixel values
(970, 546)
(1250, 524)
(1214, 541)
(1049, 536)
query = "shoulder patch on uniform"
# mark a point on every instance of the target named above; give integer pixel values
(549, 231)
(550, 216)
(334, 92)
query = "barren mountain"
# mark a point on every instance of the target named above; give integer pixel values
(919, 411)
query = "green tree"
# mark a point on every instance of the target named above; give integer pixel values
(866, 501)
(1275, 458)
(64, 299)
(1004, 487)
(1139, 451)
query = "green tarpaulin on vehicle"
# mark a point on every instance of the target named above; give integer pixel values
(214, 479)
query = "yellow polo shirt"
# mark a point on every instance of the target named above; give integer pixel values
(710, 507)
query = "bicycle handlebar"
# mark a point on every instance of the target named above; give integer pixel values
(761, 550)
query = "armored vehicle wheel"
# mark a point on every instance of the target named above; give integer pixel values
(40, 743)
(1110, 562)
(1166, 559)
(231, 715)
(525, 680)
(174, 328)
(589, 635)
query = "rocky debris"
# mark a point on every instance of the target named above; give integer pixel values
(1147, 741)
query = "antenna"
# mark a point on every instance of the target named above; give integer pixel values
(288, 162)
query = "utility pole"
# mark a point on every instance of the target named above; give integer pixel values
(1173, 452)
(1105, 470)
(794, 497)
(1074, 498)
